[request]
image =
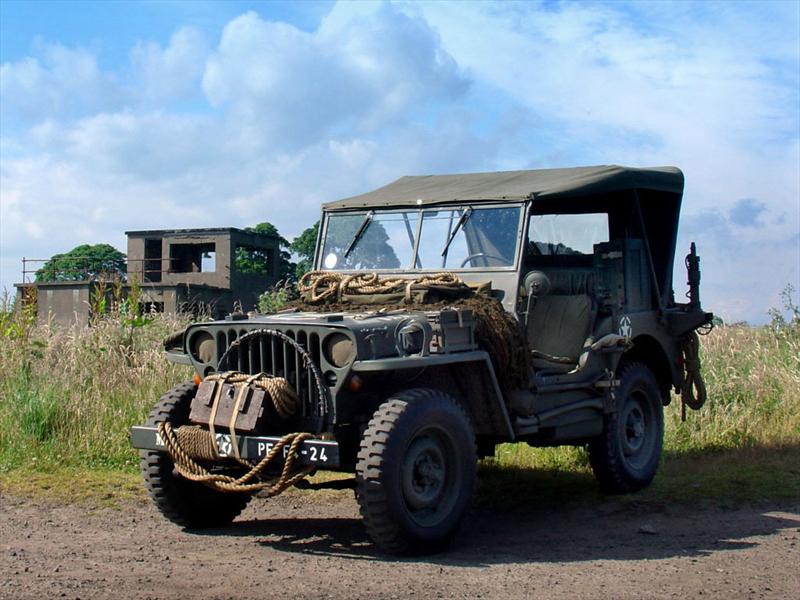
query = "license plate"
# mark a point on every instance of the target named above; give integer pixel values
(322, 453)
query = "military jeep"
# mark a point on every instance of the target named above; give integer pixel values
(446, 314)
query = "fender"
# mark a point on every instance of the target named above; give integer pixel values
(501, 421)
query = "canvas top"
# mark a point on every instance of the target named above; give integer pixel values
(515, 185)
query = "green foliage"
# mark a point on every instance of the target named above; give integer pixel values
(304, 246)
(38, 411)
(83, 262)
(779, 322)
(251, 260)
(372, 250)
(17, 319)
(273, 300)
(69, 395)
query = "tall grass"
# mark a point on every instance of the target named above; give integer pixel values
(69, 395)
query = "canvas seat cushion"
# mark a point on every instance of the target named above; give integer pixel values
(558, 327)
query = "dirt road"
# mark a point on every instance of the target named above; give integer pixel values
(298, 547)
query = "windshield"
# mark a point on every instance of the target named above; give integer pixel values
(463, 237)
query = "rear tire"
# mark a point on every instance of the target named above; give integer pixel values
(186, 503)
(626, 456)
(416, 471)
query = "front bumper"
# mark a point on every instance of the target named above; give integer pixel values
(315, 452)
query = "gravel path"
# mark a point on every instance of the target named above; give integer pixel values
(301, 546)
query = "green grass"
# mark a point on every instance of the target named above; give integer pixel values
(100, 488)
(68, 397)
(554, 477)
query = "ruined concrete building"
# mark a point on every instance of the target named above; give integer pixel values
(202, 271)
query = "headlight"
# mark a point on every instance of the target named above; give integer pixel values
(339, 349)
(202, 347)
(411, 338)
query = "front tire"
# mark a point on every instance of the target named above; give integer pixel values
(416, 471)
(186, 503)
(626, 456)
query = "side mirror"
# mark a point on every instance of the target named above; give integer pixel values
(536, 284)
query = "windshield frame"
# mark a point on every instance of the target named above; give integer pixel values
(420, 210)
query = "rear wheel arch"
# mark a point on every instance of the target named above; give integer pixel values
(648, 351)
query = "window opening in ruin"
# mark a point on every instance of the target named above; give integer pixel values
(147, 308)
(255, 261)
(208, 263)
(192, 258)
(152, 260)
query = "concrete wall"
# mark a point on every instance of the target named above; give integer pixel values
(63, 303)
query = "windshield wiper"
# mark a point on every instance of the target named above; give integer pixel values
(362, 228)
(461, 222)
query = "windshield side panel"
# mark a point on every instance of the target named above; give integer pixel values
(387, 242)
(487, 238)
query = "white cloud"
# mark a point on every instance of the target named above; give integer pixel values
(60, 82)
(712, 88)
(358, 75)
(87, 178)
(171, 72)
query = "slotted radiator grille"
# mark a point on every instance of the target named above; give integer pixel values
(269, 354)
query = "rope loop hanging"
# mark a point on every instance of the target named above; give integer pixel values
(693, 392)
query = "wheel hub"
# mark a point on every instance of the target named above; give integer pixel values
(423, 473)
(634, 430)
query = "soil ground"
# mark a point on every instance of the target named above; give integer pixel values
(306, 546)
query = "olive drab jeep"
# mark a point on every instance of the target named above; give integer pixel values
(446, 314)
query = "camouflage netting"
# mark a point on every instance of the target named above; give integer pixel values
(496, 331)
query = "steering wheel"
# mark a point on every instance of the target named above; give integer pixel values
(482, 255)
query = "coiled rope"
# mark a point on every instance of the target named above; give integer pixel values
(191, 470)
(190, 443)
(693, 392)
(322, 286)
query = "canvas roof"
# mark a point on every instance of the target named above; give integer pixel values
(515, 185)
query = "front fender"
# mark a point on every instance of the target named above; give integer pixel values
(487, 406)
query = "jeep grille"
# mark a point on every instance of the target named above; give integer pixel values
(270, 353)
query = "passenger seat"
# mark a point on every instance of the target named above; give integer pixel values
(560, 322)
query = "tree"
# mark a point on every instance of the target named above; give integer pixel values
(304, 246)
(252, 260)
(371, 251)
(83, 262)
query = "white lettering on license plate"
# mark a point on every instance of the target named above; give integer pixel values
(312, 453)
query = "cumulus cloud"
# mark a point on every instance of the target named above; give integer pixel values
(171, 72)
(59, 82)
(355, 75)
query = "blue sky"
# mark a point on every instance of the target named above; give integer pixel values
(117, 116)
